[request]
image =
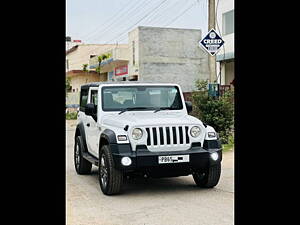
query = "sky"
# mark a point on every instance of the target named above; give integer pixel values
(103, 22)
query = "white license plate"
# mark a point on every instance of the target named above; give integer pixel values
(173, 159)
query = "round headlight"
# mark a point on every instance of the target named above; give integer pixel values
(137, 133)
(195, 131)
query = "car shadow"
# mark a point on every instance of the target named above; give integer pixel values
(141, 185)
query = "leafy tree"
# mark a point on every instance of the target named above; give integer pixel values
(216, 112)
(84, 67)
(101, 58)
(68, 84)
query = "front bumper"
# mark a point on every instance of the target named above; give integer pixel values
(145, 161)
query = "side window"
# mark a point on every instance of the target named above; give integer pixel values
(94, 97)
(83, 99)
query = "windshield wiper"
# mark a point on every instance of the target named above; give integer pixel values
(161, 108)
(134, 108)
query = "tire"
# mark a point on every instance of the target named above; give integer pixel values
(82, 166)
(208, 178)
(110, 179)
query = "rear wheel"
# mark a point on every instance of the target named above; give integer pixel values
(82, 166)
(110, 179)
(209, 177)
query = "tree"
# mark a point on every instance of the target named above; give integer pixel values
(84, 67)
(102, 58)
(68, 84)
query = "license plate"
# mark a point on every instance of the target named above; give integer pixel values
(173, 159)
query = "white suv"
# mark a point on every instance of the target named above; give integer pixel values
(128, 128)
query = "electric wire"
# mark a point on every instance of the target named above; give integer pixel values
(137, 21)
(181, 14)
(109, 19)
(108, 29)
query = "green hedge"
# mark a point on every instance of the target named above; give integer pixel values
(216, 112)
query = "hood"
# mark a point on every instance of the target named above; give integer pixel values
(148, 119)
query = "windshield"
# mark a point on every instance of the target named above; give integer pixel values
(141, 97)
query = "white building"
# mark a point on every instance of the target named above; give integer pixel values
(225, 26)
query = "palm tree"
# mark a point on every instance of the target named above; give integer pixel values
(84, 67)
(101, 58)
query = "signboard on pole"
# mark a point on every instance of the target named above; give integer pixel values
(212, 42)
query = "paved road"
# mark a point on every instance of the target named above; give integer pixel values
(148, 202)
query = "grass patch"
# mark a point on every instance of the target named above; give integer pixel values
(230, 145)
(71, 115)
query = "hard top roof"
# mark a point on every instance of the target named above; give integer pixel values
(97, 84)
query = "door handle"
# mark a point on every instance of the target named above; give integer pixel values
(88, 124)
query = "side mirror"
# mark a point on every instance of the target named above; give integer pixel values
(90, 109)
(189, 106)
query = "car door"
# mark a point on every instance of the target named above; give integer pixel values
(91, 124)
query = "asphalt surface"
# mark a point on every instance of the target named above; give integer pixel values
(148, 201)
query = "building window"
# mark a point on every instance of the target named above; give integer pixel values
(92, 56)
(133, 52)
(228, 22)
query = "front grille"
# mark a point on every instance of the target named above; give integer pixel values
(163, 137)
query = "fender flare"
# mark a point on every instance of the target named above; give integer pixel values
(111, 140)
(109, 136)
(80, 128)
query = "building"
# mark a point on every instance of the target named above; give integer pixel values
(71, 43)
(225, 57)
(79, 55)
(158, 54)
(152, 54)
(117, 64)
(76, 57)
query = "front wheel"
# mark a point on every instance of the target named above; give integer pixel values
(110, 178)
(209, 177)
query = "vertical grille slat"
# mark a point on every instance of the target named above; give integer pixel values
(148, 138)
(174, 135)
(158, 135)
(177, 135)
(165, 135)
(161, 135)
(151, 136)
(171, 136)
(180, 135)
(168, 135)
(154, 135)
(187, 135)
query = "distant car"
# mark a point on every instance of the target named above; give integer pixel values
(72, 108)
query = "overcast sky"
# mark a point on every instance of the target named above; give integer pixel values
(102, 21)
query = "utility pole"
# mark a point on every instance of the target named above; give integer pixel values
(212, 25)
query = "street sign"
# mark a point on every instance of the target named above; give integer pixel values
(212, 42)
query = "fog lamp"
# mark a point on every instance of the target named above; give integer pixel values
(126, 161)
(214, 156)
